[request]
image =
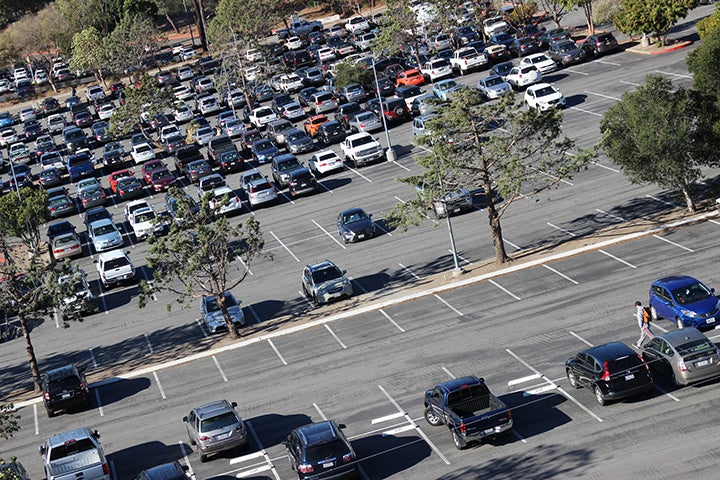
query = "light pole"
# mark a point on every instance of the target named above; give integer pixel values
(457, 270)
(390, 154)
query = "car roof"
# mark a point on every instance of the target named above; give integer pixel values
(212, 409)
(166, 471)
(60, 372)
(675, 281)
(321, 265)
(609, 351)
(350, 211)
(317, 433)
(112, 254)
(69, 436)
(682, 336)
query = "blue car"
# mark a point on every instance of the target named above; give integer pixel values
(685, 301)
(6, 119)
(264, 150)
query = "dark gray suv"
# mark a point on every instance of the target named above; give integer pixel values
(320, 450)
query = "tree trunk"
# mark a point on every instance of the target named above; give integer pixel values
(587, 8)
(200, 24)
(232, 331)
(688, 198)
(32, 360)
(172, 24)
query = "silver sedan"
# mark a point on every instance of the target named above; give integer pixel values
(685, 355)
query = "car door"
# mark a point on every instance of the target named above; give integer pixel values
(192, 427)
(293, 450)
(307, 282)
(436, 400)
(664, 306)
(583, 369)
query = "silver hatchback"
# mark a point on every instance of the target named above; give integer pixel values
(685, 355)
(215, 427)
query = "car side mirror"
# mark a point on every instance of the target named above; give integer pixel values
(370, 216)
(186, 468)
(344, 272)
(96, 434)
(185, 419)
(234, 404)
(342, 426)
(95, 261)
(41, 449)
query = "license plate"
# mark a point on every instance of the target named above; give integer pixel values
(328, 465)
(223, 436)
(701, 363)
(361, 236)
(629, 377)
(710, 320)
(65, 396)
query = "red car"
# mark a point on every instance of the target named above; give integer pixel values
(410, 77)
(115, 176)
(161, 179)
(150, 167)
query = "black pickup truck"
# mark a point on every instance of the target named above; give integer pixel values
(185, 155)
(466, 406)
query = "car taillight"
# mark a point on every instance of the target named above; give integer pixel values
(348, 457)
(305, 468)
(463, 428)
(46, 395)
(204, 438)
(106, 469)
(606, 373)
(681, 366)
(362, 125)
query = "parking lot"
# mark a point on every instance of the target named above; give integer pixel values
(369, 371)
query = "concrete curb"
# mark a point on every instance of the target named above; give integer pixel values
(394, 301)
(671, 48)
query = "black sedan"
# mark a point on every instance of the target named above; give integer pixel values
(355, 225)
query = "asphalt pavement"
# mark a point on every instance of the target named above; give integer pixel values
(369, 371)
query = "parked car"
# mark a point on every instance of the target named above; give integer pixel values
(324, 162)
(493, 86)
(75, 454)
(543, 97)
(566, 52)
(613, 371)
(59, 202)
(685, 301)
(600, 44)
(355, 225)
(65, 246)
(324, 282)
(301, 182)
(686, 356)
(114, 267)
(64, 388)
(104, 235)
(320, 450)
(212, 316)
(215, 427)
(330, 132)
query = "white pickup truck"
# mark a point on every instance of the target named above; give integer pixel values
(144, 223)
(466, 59)
(114, 267)
(494, 25)
(361, 149)
(73, 455)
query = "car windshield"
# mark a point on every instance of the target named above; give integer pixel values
(227, 419)
(296, 136)
(104, 229)
(90, 191)
(61, 241)
(114, 263)
(160, 174)
(354, 217)
(545, 91)
(325, 451)
(212, 304)
(691, 293)
(71, 447)
(494, 81)
(363, 140)
(694, 347)
(326, 274)
(539, 59)
(289, 165)
(145, 217)
(566, 47)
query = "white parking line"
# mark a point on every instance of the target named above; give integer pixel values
(183, 452)
(334, 335)
(56, 317)
(217, 364)
(355, 282)
(36, 420)
(120, 227)
(607, 63)
(462, 258)
(92, 358)
(559, 389)
(504, 289)
(616, 258)
(614, 170)
(284, 246)
(329, 234)
(586, 111)
(264, 454)
(157, 380)
(561, 274)
(277, 352)
(630, 83)
(672, 74)
(611, 215)
(147, 341)
(568, 232)
(581, 339)
(409, 271)
(512, 244)
(401, 166)
(326, 188)
(147, 279)
(287, 198)
(244, 264)
(386, 232)
(324, 417)
(665, 202)
(97, 397)
(450, 374)
(102, 298)
(575, 71)
(555, 178)
(415, 425)
(387, 418)
(673, 243)
(320, 412)
(358, 173)
(458, 312)
(384, 313)
(255, 315)
(602, 95)
(202, 328)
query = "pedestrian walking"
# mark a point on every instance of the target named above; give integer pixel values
(643, 319)
(73, 91)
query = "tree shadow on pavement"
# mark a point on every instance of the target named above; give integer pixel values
(129, 462)
(389, 454)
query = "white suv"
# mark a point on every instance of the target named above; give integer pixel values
(114, 267)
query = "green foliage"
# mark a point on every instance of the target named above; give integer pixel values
(523, 13)
(134, 39)
(709, 25)
(22, 217)
(468, 149)
(587, 7)
(144, 8)
(348, 73)
(245, 21)
(654, 17)
(9, 424)
(556, 9)
(82, 14)
(204, 254)
(88, 52)
(145, 96)
(661, 134)
(703, 63)
(605, 11)
(399, 28)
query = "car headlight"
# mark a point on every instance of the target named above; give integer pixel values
(687, 313)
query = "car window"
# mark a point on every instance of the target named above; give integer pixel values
(220, 421)
(116, 263)
(694, 347)
(665, 348)
(326, 274)
(71, 448)
(325, 451)
(622, 363)
(691, 294)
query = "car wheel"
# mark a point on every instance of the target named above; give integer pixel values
(51, 413)
(459, 442)
(599, 396)
(679, 323)
(572, 379)
(653, 314)
(203, 458)
(675, 380)
(315, 300)
(431, 418)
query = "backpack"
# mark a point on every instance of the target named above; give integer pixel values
(646, 316)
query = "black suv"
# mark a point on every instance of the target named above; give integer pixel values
(345, 112)
(65, 387)
(394, 109)
(320, 450)
(613, 371)
(330, 132)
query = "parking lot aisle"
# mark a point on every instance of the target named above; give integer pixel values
(554, 385)
(253, 468)
(332, 237)
(284, 246)
(443, 301)
(294, 348)
(363, 329)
